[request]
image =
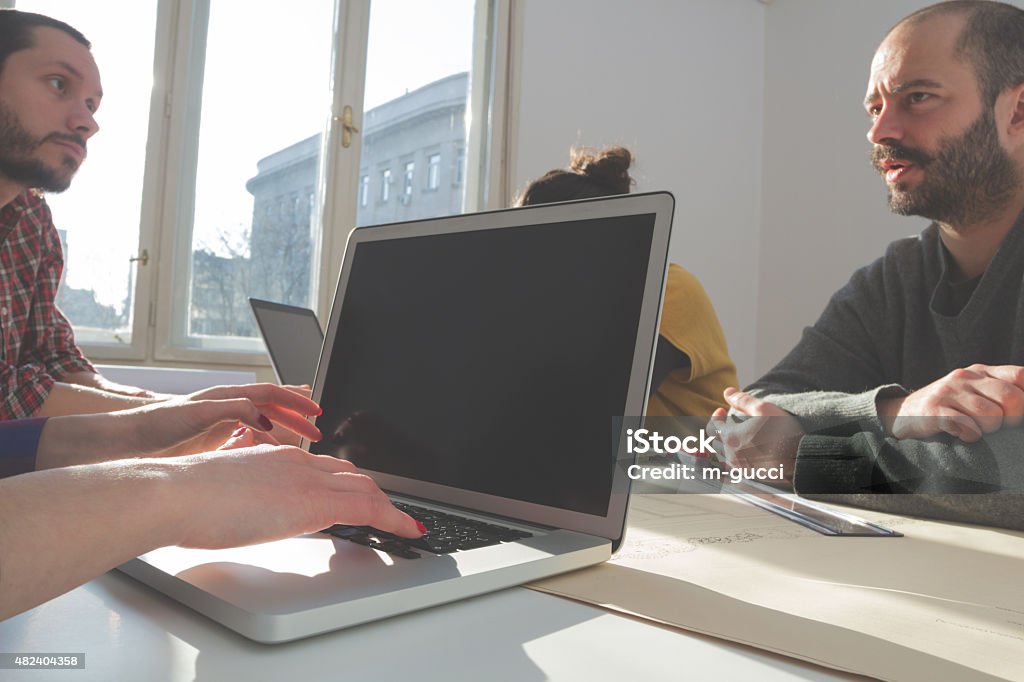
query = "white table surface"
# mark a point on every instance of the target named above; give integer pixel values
(129, 632)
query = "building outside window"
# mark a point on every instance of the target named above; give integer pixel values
(394, 134)
(433, 171)
(410, 173)
(364, 190)
(460, 168)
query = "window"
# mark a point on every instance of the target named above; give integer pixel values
(433, 171)
(231, 176)
(253, 150)
(410, 173)
(364, 190)
(428, 93)
(460, 168)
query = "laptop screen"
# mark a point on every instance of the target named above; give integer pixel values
(490, 360)
(293, 338)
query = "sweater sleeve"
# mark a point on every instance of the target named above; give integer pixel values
(869, 462)
(840, 366)
(946, 479)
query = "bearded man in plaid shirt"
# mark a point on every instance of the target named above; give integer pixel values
(49, 93)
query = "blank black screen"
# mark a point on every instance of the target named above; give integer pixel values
(490, 360)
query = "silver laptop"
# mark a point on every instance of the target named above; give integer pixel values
(293, 338)
(476, 366)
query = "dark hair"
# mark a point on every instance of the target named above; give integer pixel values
(16, 31)
(590, 174)
(992, 39)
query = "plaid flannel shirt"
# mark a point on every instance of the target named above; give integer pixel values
(37, 346)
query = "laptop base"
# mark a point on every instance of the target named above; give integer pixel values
(290, 589)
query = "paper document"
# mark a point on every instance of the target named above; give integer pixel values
(945, 602)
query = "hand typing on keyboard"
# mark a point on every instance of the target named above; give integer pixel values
(446, 533)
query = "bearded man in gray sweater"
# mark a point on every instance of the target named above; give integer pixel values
(912, 380)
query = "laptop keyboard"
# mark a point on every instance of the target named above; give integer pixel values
(446, 533)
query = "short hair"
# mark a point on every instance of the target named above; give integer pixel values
(16, 31)
(590, 174)
(992, 39)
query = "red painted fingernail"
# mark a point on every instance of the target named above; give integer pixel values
(319, 411)
(265, 423)
(239, 431)
(420, 527)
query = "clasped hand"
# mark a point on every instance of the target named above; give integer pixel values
(966, 403)
(767, 438)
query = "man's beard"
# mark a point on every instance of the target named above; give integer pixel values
(970, 180)
(17, 163)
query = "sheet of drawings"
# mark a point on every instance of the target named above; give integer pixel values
(945, 599)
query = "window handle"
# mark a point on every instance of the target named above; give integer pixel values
(346, 126)
(142, 259)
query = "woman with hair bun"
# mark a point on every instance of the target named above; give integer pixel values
(590, 174)
(692, 366)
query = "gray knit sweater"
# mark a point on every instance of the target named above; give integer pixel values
(895, 327)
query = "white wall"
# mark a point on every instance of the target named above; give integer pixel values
(680, 84)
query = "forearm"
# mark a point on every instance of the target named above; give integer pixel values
(948, 480)
(92, 438)
(828, 405)
(66, 399)
(61, 528)
(821, 378)
(93, 379)
(82, 439)
(869, 462)
(846, 360)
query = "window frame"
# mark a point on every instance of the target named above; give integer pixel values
(385, 186)
(433, 171)
(364, 190)
(408, 178)
(170, 167)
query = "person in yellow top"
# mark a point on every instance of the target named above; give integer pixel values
(689, 326)
(692, 366)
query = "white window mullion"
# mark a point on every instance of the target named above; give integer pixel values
(340, 165)
(184, 99)
(148, 287)
(496, 46)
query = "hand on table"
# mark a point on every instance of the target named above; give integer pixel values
(966, 403)
(767, 438)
